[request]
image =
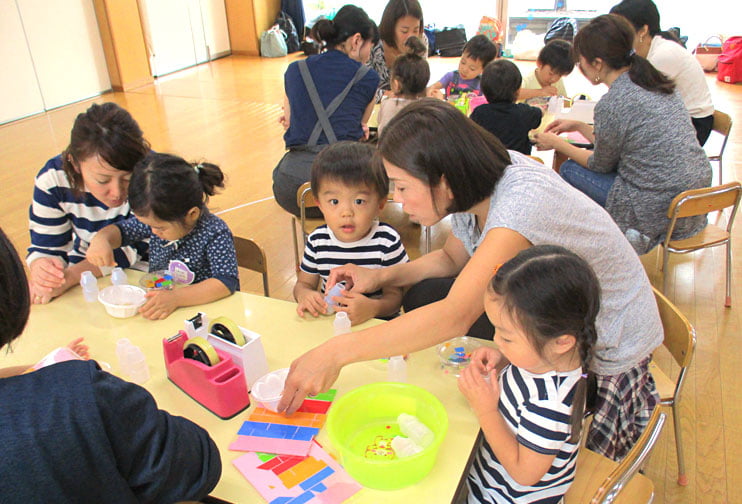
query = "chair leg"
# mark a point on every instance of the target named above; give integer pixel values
(682, 478)
(663, 268)
(728, 300)
(721, 173)
(427, 239)
(296, 244)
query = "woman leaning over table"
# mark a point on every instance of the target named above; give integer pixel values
(500, 202)
(646, 151)
(79, 192)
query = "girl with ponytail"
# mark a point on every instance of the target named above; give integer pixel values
(168, 196)
(543, 304)
(646, 151)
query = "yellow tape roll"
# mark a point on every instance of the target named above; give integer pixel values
(226, 329)
(201, 350)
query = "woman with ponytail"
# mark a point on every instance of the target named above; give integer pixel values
(646, 151)
(329, 98)
(543, 303)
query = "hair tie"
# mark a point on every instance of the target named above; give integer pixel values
(632, 52)
(197, 168)
(583, 376)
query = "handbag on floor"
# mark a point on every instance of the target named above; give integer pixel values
(707, 54)
(273, 43)
(730, 61)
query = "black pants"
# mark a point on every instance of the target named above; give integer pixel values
(703, 126)
(435, 289)
(292, 171)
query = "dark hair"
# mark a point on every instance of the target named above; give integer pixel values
(350, 164)
(167, 186)
(108, 131)
(501, 81)
(641, 13)
(481, 48)
(558, 55)
(610, 37)
(431, 139)
(394, 10)
(411, 69)
(348, 21)
(550, 291)
(16, 299)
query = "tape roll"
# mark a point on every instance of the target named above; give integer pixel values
(201, 350)
(226, 329)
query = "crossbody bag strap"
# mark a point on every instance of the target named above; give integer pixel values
(323, 119)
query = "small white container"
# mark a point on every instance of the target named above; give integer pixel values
(267, 391)
(341, 324)
(122, 301)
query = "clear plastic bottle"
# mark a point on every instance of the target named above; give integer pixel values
(336, 291)
(397, 369)
(118, 277)
(341, 324)
(138, 368)
(405, 447)
(89, 285)
(415, 430)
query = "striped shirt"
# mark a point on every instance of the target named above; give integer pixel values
(62, 223)
(380, 248)
(538, 409)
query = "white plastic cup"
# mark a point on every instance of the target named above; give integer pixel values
(415, 430)
(118, 277)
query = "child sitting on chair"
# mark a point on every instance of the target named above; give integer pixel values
(554, 62)
(168, 195)
(351, 191)
(409, 78)
(501, 116)
(478, 51)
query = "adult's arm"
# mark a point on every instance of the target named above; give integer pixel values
(316, 370)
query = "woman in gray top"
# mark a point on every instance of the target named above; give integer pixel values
(646, 151)
(500, 203)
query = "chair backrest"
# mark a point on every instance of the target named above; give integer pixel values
(705, 200)
(251, 256)
(632, 462)
(680, 336)
(722, 124)
(305, 196)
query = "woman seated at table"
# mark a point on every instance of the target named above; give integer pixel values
(646, 151)
(673, 60)
(80, 192)
(74, 433)
(331, 101)
(500, 203)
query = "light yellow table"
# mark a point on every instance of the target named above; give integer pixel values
(285, 336)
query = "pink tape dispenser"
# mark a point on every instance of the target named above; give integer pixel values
(206, 374)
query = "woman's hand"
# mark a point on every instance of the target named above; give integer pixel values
(356, 278)
(47, 273)
(311, 301)
(159, 305)
(311, 374)
(563, 126)
(547, 141)
(481, 390)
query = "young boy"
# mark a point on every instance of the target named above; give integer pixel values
(501, 116)
(478, 51)
(350, 192)
(554, 62)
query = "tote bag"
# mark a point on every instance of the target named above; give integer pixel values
(273, 43)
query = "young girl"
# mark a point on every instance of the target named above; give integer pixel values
(543, 304)
(168, 196)
(409, 78)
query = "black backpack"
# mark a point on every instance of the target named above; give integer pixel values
(563, 28)
(285, 23)
(450, 41)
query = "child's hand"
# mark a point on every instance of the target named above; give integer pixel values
(550, 91)
(485, 359)
(159, 305)
(482, 396)
(79, 348)
(311, 301)
(100, 252)
(366, 131)
(359, 308)
(435, 93)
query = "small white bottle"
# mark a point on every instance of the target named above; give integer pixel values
(138, 370)
(397, 369)
(118, 277)
(405, 447)
(341, 324)
(89, 285)
(415, 430)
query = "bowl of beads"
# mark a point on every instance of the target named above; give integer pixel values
(387, 435)
(455, 354)
(122, 301)
(157, 280)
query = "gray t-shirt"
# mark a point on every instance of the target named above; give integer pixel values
(536, 203)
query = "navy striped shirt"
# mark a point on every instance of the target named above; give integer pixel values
(62, 223)
(538, 409)
(380, 248)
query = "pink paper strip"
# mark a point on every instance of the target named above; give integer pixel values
(271, 445)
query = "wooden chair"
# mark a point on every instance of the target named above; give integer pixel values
(304, 199)
(680, 341)
(600, 480)
(701, 202)
(251, 256)
(722, 125)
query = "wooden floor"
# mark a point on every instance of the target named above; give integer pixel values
(227, 112)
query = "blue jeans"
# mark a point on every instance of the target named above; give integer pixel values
(596, 185)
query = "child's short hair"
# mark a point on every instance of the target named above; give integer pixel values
(15, 302)
(350, 164)
(558, 55)
(501, 81)
(411, 69)
(481, 48)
